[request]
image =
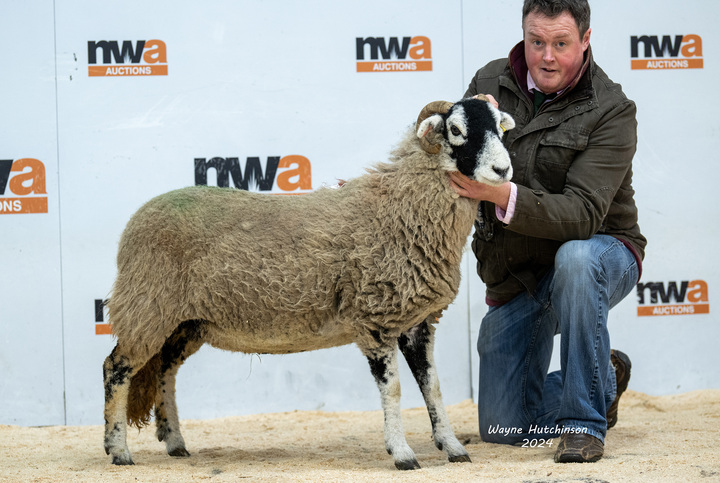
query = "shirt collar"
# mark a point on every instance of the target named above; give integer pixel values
(533, 87)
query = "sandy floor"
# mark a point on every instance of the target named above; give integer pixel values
(669, 438)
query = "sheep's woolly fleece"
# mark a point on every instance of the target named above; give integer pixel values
(668, 438)
(281, 277)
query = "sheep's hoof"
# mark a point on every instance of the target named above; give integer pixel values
(461, 458)
(407, 465)
(179, 452)
(122, 460)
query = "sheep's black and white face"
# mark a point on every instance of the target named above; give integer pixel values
(473, 131)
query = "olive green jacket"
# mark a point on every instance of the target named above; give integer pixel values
(572, 164)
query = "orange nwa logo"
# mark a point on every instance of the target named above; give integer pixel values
(24, 180)
(101, 327)
(679, 52)
(146, 57)
(391, 55)
(291, 174)
(667, 299)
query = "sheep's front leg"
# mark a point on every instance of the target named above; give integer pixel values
(417, 347)
(383, 365)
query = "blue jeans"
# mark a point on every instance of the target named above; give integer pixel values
(517, 398)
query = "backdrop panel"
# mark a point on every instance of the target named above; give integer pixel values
(109, 104)
(238, 80)
(667, 327)
(31, 344)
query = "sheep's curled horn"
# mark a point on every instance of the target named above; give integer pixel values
(436, 107)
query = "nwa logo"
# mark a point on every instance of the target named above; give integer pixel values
(101, 326)
(22, 186)
(145, 57)
(668, 52)
(671, 298)
(289, 174)
(393, 54)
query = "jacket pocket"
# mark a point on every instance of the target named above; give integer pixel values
(556, 152)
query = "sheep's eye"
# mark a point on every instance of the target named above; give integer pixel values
(455, 131)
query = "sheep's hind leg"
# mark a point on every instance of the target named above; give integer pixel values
(118, 369)
(184, 342)
(383, 365)
(417, 347)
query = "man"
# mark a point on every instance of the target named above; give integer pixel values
(559, 245)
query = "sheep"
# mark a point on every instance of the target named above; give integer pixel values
(374, 263)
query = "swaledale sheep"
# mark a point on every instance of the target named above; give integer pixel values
(374, 263)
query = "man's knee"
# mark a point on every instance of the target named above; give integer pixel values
(579, 262)
(574, 256)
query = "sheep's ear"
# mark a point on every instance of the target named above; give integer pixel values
(432, 123)
(506, 121)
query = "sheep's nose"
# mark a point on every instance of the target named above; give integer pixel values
(502, 172)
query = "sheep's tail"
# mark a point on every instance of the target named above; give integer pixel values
(143, 389)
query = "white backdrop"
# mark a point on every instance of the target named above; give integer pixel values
(248, 79)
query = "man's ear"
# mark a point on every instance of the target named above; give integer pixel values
(432, 123)
(586, 40)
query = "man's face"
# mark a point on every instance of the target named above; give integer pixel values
(553, 50)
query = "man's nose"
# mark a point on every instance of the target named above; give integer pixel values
(548, 54)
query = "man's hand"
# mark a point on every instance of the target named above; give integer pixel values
(491, 100)
(464, 186)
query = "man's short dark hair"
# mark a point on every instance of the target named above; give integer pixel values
(579, 9)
